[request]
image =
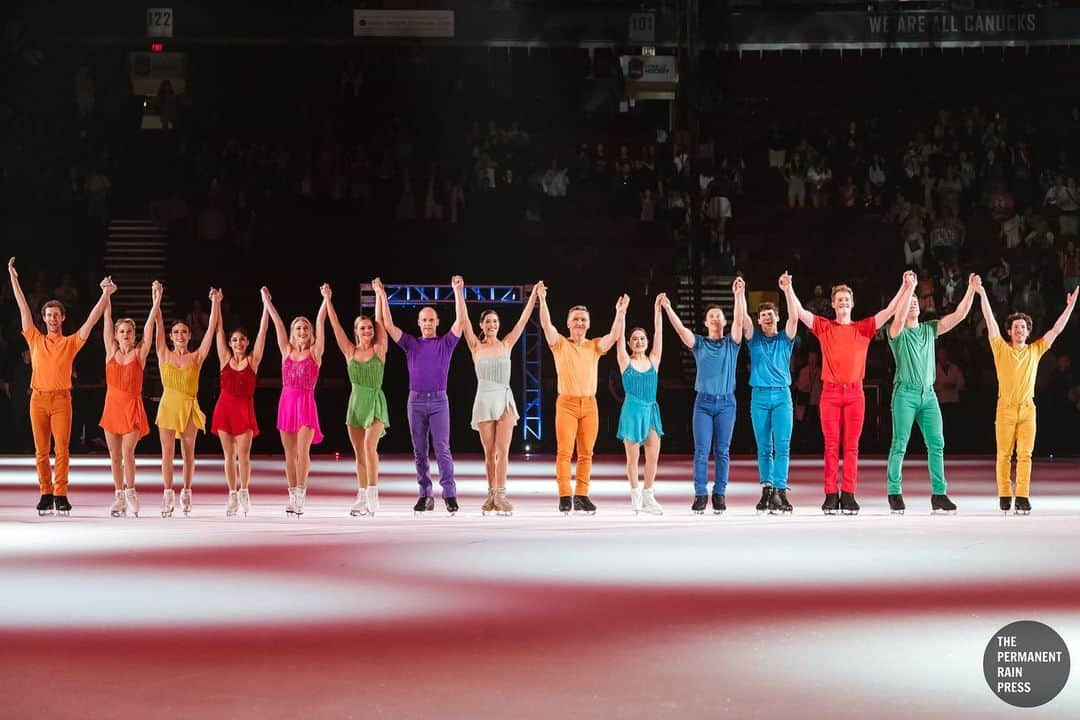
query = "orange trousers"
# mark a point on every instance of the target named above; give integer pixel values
(50, 421)
(576, 420)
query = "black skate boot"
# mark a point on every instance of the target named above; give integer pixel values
(583, 504)
(719, 505)
(566, 504)
(896, 504)
(1023, 505)
(63, 507)
(782, 503)
(1005, 503)
(423, 504)
(942, 504)
(700, 503)
(848, 506)
(45, 505)
(766, 503)
(451, 505)
(831, 506)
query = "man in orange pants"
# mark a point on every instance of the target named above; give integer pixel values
(51, 358)
(576, 418)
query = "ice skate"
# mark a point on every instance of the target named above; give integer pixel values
(767, 501)
(831, 506)
(503, 507)
(245, 501)
(423, 504)
(700, 503)
(782, 503)
(290, 509)
(649, 506)
(896, 504)
(185, 500)
(635, 500)
(719, 504)
(360, 505)
(942, 504)
(63, 507)
(301, 495)
(232, 504)
(1005, 503)
(132, 499)
(489, 504)
(848, 506)
(1023, 506)
(582, 504)
(168, 502)
(45, 505)
(372, 499)
(451, 505)
(119, 505)
(565, 504)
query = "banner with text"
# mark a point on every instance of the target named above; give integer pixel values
(403, 23)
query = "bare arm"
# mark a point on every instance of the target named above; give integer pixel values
(215, 320)
(738, 289)
(25, 315)
(658, 331)
(550, 333)
(107, 289)
(344, 344)
(515, 333)
(260, 341)
(222, 346)
(1063, 319)
(384, 302)
(901, 310)
(380, 331)
(882, 316)
(621, 354)
(615, 334)
(319, 347)
(957, 316)
(279, 326)
(461, 314)
(151, 321)
(805, 316)
(160, 346)
(992, 330)
(792, 325)
(107, 331)
(684, 333)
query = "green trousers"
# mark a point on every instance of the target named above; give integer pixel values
(913, 404)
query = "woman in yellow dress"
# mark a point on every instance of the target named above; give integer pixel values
(179, 414)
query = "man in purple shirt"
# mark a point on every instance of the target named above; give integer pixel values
(428, 358)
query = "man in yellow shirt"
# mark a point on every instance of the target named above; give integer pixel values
(51, 357)
(576, 418)
(1016, 362)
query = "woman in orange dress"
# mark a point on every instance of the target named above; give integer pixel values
(124, 417)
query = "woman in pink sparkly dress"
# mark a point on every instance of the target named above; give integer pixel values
(298, 418)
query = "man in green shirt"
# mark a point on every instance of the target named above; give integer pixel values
(914, 399)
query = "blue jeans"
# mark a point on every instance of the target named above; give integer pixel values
(429, 417)
(772, 415)
(714, 421)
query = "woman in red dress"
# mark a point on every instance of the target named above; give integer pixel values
(234, 415)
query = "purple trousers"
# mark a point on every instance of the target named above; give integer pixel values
(429, 413)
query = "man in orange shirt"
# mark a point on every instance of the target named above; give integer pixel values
(51, 358)
(576, 417)
(844, 343)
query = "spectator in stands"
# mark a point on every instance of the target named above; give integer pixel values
(847, 193)
(818, 304)
(807, 399)
(875, 181)
(197, 320)
(795, 177)
(1070, 266)
(914, 249)
(1030, 301)
(166, 105)
(948, 384)
(1066, 198)
(946, 236)
(819, 177)
(777, 150)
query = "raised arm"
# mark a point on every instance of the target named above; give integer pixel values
(992, 329)
(1063, 319)
(685, 334)
(107, 289)
(805, 316)
(383, 302)
(279, 327)
(319, 347)
(151, 321)
(160, 346)
(344, 344)
(550, 333)
(792, 325)
(621, 354)
(260, 341)
(615, 334)
(526, 312)
(658, 331)
(380, 331)
(107, 331)
(211, 330)
(907, 291)
(461, 317)
(25, 315)
(957, 316)
(882, 316)
(740, 320)
(222, 346)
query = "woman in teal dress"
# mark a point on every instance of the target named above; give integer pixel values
(367, 416)
(639, 420)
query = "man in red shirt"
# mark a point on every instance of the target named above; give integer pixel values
(844, 343)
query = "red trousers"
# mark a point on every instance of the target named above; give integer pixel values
(842, 408)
